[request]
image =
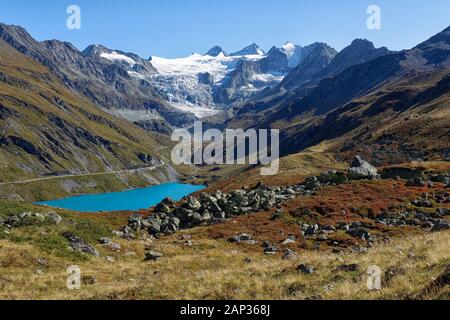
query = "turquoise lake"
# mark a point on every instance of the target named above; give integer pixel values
(126, 200)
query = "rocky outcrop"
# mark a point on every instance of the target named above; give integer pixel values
(209, 208)
(25, 219)
(361, 169)
(78, 244)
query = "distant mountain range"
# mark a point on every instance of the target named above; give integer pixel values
(365, 99)
(65, 110)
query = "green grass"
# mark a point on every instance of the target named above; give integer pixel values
(49, 237)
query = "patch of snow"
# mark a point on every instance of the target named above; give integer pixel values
(289, 49)
(198, 111)
(136, 75)
(293, 52)
(114, 56)
(268, 78)
(135, 115)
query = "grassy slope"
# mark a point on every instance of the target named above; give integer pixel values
(212, 268)
(31, 95)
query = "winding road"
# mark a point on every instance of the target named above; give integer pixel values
(80, 175)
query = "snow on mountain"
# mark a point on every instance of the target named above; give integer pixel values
(293, 52)
(189, 83)
(204, 84)
(252, 49)
(114, 56)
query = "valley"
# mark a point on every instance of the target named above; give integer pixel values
(363, 180)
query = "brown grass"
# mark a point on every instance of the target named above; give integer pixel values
(214, 269)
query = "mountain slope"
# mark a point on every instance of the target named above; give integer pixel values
(46, 129)
(314, 63)
(112, 81)
(404, 120)
(359, 79)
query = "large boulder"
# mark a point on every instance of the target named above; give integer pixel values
(361, 169)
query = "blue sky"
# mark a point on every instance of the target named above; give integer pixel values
(173, 28)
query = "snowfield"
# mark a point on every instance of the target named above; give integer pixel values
(117, 57)
(191, 83)
(218, 66)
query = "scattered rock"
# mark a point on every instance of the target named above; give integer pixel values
(288, 254)
(42, 262)
(89, 280)
(80, 245)
(424, 203)
(240, 237)
(289, 240)
(416, 182)
(305, 269)
(113, 246)
(153, 256)
(54, 218)
(348, 267)
(441, 225)
(359, 233)
(269, 248)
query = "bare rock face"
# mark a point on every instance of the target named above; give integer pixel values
(361, 169)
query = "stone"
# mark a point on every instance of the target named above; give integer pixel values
(240, 237)
(312, 183)
(348, 267)
(441, 212)
(305, 269)
(54, 218)
(359, 233)
(441, 225)
(269, 249)
(134, 221)
(153, 256)
(80, 245)
(416, 182)
(289, 240)
(89, 280)
(423, 203)
(427, 225)
(104, 240)
(289, 255)
(361, 169)
(312, 230)
(42, 262)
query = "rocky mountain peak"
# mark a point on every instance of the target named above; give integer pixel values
(216, 51)
(252, 49)
(95, 50)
